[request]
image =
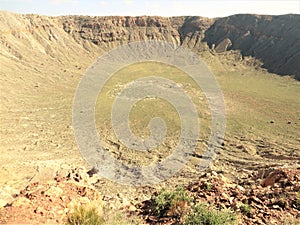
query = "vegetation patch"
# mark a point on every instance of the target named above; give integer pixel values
(171, 203)
(205, 215)
(84, 215)
(177, 206)
(246, 209)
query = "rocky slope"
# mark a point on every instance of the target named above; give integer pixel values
(267, 197)
(274, 40)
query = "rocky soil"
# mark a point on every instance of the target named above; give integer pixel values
(266, 197)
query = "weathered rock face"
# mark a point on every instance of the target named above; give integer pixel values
(224, 45)
(111, 31)
(272, 39)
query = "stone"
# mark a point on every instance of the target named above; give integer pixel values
(5, 199)
(92, 171)
(21, 201)
(53, 191)
(132, 208)
(231, 200)
(240, 188)
(214, 173)
(223, 46)
(225, 196)
(272, 178)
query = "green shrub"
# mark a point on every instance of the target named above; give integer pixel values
(83, 215)
(246, 209)
(202, 215)
(208, 186)
(165, 201)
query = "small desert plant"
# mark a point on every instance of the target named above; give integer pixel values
(203, 215)
(208, 186)
(246, 209)
(168, 202)
(83, 215)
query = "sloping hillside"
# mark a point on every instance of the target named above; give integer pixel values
(42, 60)
(272, 39)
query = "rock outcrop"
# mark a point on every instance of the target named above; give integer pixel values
(112, 31)
(50, 202)
(274, 40)
(256, 202)
(271, 197)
